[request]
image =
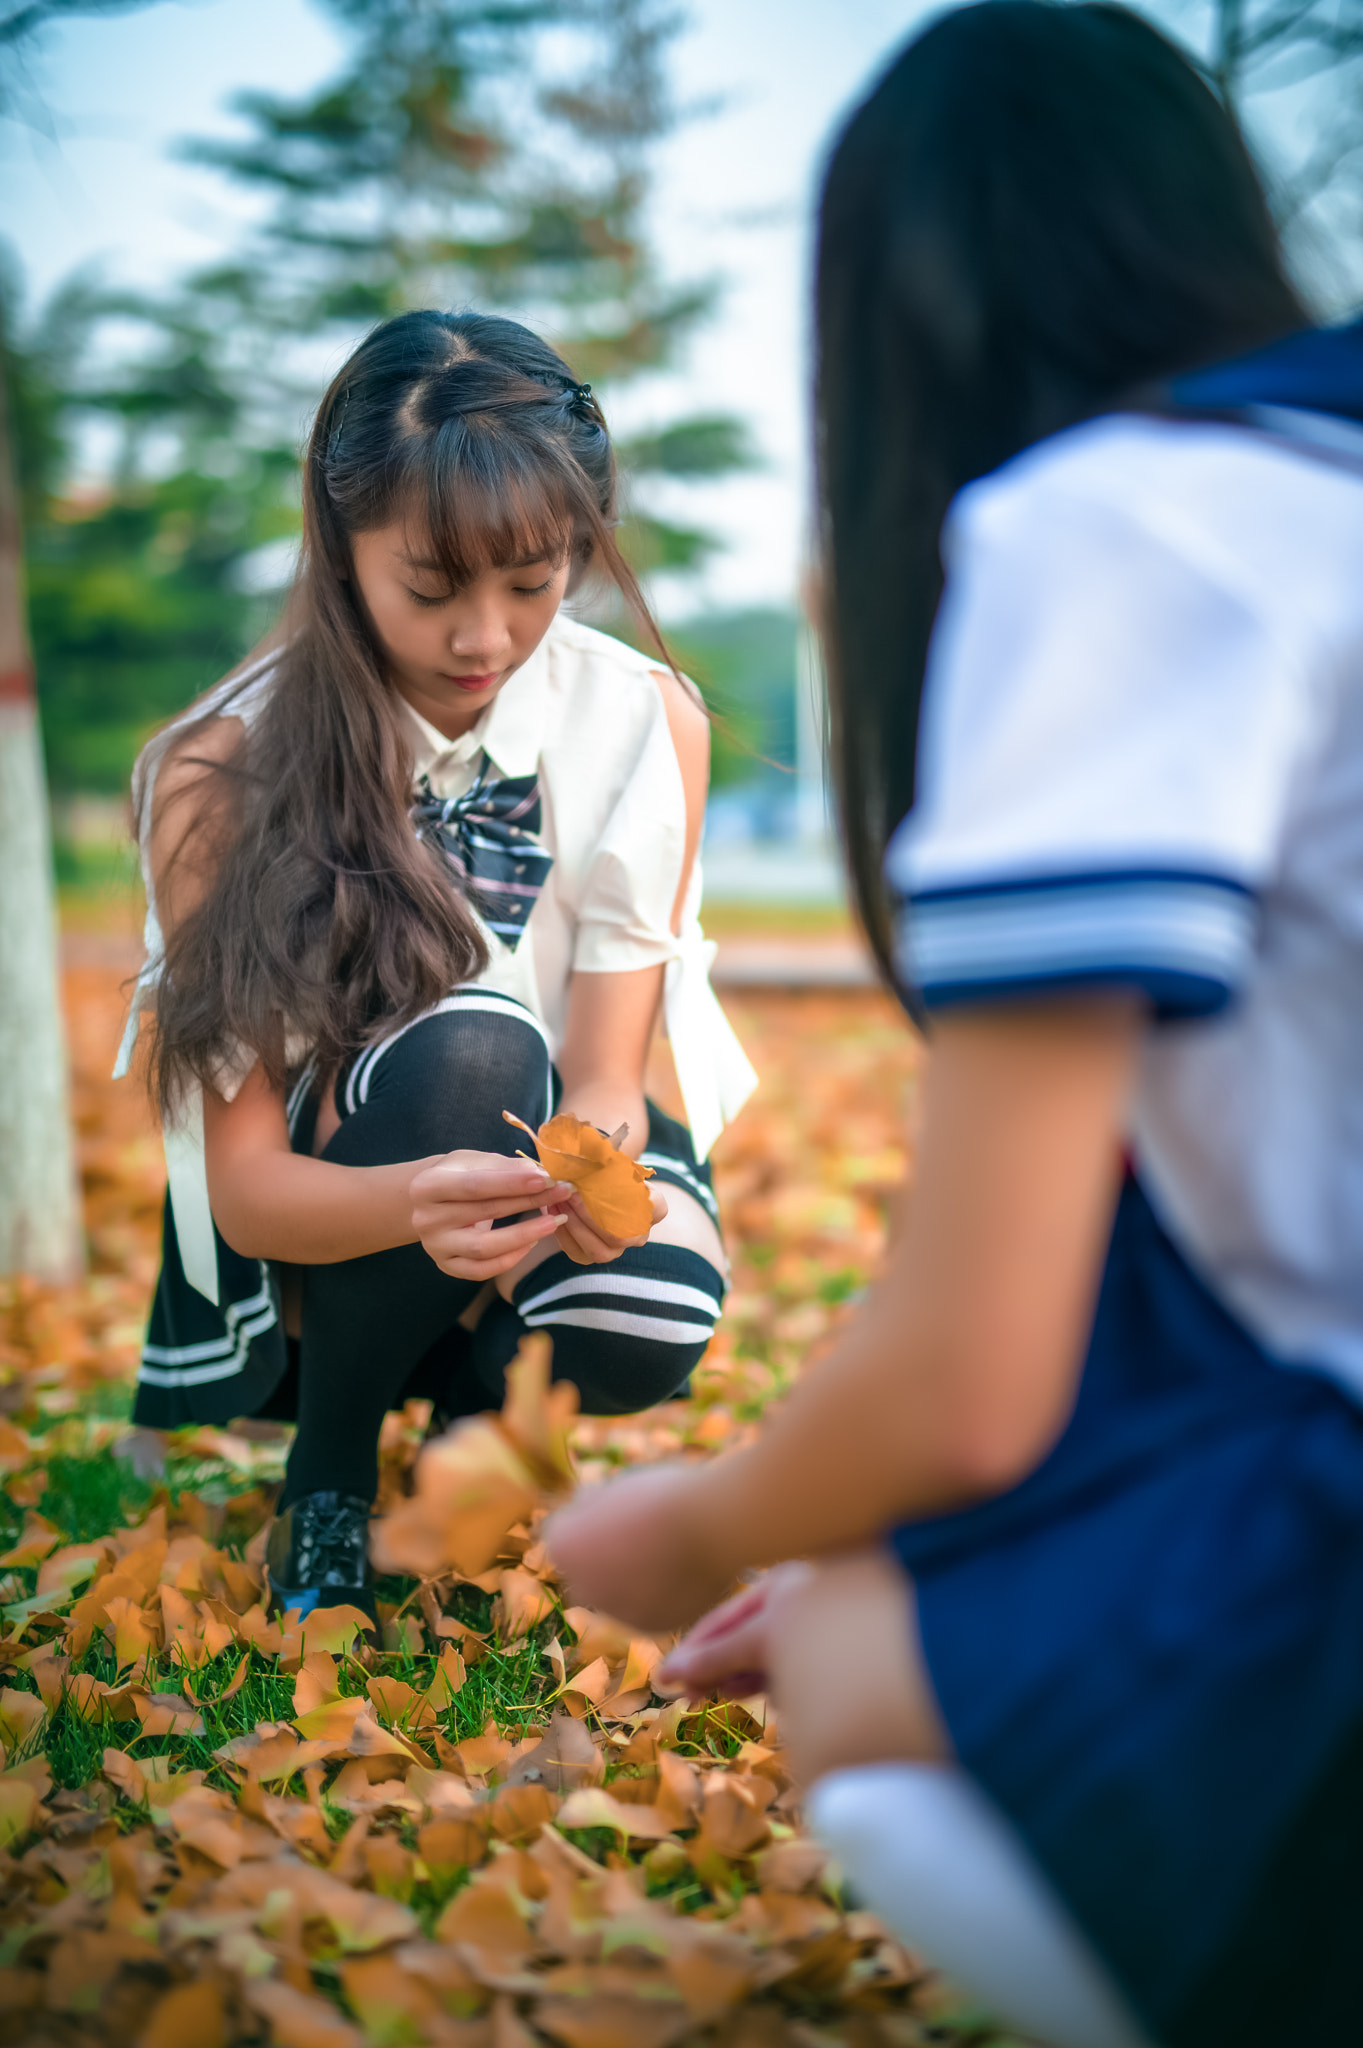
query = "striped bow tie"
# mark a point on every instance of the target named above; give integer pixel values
(489, 837)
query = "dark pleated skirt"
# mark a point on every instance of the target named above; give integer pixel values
(1151, 1655)
(207, 1363)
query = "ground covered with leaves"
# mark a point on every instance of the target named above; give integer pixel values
(221, 1826)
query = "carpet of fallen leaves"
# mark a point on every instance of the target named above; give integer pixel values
(217, 1826)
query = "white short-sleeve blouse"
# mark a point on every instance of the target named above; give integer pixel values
(1141, 765)
(587, 714)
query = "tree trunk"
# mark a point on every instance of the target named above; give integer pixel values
(40, 1229)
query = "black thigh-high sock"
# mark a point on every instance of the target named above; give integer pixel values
(439, 1085)
(628, 1333)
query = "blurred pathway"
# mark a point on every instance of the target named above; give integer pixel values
(785, 960)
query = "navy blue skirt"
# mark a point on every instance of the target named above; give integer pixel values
(1151, 1655)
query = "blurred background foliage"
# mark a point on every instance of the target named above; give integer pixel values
(470, 151)
(495, 152)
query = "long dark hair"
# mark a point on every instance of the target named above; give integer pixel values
(1039, 209)
(324, 912)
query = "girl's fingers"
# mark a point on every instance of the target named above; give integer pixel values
(586, 1243)
(583, 1245)
(596, 1246)
(727, 1645)
(475, 1269)
(729, 1615)
(453, 1180)
(488, 1250)
(480, 1242)
(461, 1214)
(478, 1269)
(738, 1684)
(487, 1178)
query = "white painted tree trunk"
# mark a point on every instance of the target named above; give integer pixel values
(40, 1229)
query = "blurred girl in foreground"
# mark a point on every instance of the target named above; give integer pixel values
(1076, 1672)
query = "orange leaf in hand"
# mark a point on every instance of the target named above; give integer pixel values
(613, 1187)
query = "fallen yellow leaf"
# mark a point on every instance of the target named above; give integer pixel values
(594, 1807)
(190, 2016)
(22, 1714)
(299, 2020)
(613, 1187)
(522, 1603)
(471, 1485)
(18, 1807)
(538, 1414)
(125, 1775)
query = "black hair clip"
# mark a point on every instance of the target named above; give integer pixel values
(581, 401)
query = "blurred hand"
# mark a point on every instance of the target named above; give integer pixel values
(636, 1547)
(456, 1202)
(726, 1651)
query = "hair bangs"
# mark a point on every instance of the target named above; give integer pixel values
(478, 498)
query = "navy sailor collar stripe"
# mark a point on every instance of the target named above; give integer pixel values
(1319, 369)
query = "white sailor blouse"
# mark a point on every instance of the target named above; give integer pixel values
(1141, 766)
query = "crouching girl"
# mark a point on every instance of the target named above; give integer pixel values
(430, 857)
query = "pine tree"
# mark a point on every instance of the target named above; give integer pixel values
(496, 153)
(1263, 46)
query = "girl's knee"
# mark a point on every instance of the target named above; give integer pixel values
(846, 1666)
(445, 1080)
(628, 1334)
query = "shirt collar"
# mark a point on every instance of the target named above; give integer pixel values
(512, 730)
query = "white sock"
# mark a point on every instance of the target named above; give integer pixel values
(933, 1857)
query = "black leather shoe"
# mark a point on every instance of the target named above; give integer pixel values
(318, 1555)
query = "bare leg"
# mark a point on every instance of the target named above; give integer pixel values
(846, 1668)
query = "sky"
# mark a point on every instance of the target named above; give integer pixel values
(734, 199)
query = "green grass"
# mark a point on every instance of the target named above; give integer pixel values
(87, 1497)
(507, 1686)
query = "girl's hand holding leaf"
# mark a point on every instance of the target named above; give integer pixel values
(610, 1205)
(586, 1243)
(456, 1202)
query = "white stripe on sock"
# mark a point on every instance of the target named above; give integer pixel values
(624, 1325)
(639, 1289)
